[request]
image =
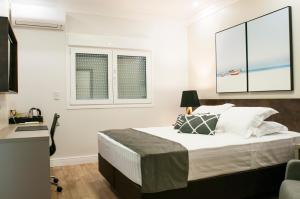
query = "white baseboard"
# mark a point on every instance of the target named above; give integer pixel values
(73, 160)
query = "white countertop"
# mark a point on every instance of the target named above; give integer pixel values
(8, 134)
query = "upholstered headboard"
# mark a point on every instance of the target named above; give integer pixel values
(289, 109)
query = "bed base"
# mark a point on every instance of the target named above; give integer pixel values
(248, 184)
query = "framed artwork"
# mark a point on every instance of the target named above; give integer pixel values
(256, 55)
(270, 60)
(231, 58)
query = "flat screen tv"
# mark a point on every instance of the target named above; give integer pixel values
(8, 58)
(13, 65)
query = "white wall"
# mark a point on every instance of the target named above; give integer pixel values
(42, 71)
(4, 10)
(201, 41)
(3, 111)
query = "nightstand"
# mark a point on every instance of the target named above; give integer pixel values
(297, 151)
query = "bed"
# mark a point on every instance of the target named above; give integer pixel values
(220, 166)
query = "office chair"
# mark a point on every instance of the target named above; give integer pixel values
(53, 179)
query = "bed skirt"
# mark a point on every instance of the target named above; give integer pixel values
(247, 184)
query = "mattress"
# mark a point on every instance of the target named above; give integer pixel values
(209, 156)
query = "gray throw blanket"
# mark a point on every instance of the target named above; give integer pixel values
(164, 163)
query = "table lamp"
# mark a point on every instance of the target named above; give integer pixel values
(189, 99)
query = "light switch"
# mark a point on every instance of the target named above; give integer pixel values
(56, 95)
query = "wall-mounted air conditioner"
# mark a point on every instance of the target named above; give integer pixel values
(37, 16)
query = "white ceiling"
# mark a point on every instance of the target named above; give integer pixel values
(169, 9)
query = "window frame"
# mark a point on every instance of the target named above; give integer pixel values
(148, 76)
(112, 101)
(85, 50)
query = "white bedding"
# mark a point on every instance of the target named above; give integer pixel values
(208, 155)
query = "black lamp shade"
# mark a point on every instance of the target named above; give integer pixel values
(189, 99)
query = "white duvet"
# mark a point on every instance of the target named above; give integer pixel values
(208, 155)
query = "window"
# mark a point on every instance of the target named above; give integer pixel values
(132, 77)
(109, 77)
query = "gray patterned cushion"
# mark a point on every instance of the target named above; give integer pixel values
(199, 124)
(180, 121)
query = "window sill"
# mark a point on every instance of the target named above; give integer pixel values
(109, 106)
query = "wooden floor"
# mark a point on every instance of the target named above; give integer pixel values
(81, 182)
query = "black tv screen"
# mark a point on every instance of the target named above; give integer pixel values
(8, 58)
(13, 65)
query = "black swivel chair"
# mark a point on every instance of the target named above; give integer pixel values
(53, 179)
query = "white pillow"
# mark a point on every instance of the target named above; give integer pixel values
(218, 109)
(268, 127)
(243, 120)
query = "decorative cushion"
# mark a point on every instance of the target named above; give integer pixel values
(180, 121)
(199, 124)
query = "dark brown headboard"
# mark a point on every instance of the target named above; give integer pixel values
(289, 109)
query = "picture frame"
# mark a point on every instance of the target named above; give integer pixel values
(270, 52)
(267, 49)
(231, 59)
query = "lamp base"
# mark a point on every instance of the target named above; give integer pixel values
(189, 110)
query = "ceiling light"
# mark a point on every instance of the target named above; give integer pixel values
(196, 4)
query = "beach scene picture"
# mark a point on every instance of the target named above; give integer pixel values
(231, 60)
(269, 65)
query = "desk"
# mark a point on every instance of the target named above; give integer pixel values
(24, 164)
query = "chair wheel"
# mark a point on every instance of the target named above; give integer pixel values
(55, 180)
(59, 189)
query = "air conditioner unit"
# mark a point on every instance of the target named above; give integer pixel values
(37, 16)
